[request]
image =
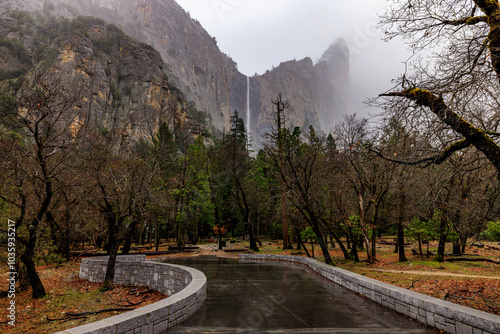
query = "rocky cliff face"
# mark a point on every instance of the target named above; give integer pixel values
(297, 83)
(332, 73)
(193, 62)
(318, 93)
(121, 85)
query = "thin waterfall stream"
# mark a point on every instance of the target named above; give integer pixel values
(247, 123)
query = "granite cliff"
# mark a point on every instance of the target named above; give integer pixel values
(318, 93)
(121, 85)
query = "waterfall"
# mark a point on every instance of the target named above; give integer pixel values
(247, 123)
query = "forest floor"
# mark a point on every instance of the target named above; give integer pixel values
(472, 284)
(68, 294)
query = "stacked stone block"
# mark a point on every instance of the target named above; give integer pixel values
(185, 286)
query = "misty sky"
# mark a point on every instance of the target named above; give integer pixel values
(258, 34)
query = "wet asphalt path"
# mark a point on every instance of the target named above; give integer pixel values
(283, 298)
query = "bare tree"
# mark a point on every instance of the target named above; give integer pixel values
(298, 164)
(449, 93)
(239, 164)
(119, 185)
(369, 176)
(278, 130)
(45, 118)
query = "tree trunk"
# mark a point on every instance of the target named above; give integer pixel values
(374, 243)
(297, 234)
(257, 232)
(213, 200)
(248, 222)
(305, 248)
(62, 242)
(108, 283)
(401, 236)
(253, 242)
(401, 243)
(157, 234)
(149, 232)
(354, 252)
(220, 239)
(38, 291)
(375, 231)
(360, 242)
(442, 241)
(420, 247)
(65, 245)
(441, 247)
(284, 220)
(332, 242)
(113, 244)
(361, 208)
(347, 256)
(300, 243)
(321, 241)
(142, 234)
(457, 249)
(129, 236)
(354, 247)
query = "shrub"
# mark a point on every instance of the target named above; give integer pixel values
(117, 95)
(5, 75)
(127, 90)
(17, 49)
(492, 233)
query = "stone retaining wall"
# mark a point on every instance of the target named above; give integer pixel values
(185, 286)
(452, 318)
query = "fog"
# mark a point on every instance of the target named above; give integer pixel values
(260, 34)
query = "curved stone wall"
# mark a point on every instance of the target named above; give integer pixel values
(185, 286)
(452, 318)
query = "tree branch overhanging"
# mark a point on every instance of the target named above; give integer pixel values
(473, 20)
(473, 135)
(434, 160)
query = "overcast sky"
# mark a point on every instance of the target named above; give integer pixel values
(259, 34)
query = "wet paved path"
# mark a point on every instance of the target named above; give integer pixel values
(283, 298)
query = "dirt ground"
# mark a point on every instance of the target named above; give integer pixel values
(212, 249)
(66, 294)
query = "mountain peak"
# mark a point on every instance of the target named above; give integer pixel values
(337, 51)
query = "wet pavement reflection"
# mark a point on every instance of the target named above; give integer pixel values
(273, 297)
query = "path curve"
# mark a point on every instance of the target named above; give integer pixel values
(212, 249)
